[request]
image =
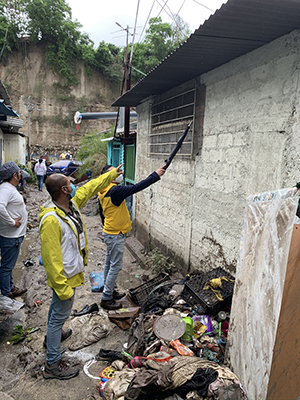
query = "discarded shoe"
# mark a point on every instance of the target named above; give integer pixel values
(110, 304)
(15, 292)
(108, 355)
(86, 310)
(59, 370)
(118, 295)
(64, 335)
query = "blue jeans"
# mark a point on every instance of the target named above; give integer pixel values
(10, 248)
(59, 312)
(40, 179)
(113, 262)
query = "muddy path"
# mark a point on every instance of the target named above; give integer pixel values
(20, 364)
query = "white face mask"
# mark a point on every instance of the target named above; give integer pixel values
(119, 179)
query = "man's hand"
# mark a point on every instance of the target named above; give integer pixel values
(161, 171)
(119, 171)
(17, 222)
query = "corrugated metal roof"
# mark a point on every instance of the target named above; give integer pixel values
(5, 110)
(237, 28)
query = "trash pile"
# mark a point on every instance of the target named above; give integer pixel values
(176, 341)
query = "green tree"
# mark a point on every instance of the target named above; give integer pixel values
(181, 31)
(161, 39)
(93, 152)
(50, 21)
(10, 25)
(108, 59)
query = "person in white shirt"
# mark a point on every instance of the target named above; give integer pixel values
(13, 223)
(40, 170)
(69, 156)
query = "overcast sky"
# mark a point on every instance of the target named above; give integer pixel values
(99, 17)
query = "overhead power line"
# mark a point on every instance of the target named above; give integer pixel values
(200, 4)
(180, 7)
(134, 31)
(147, 21)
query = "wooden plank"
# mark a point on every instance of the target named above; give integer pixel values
(284, 380)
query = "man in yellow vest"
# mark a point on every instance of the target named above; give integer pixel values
(116, 223)
(64, 249)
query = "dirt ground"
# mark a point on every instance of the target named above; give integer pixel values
(20, 364)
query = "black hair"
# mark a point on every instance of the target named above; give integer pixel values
(54, 183)
(106, 169)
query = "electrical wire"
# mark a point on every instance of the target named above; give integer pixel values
(147, 20)
(162, 8)
(203, 5)
(134, 31)
(171, 15)
(180, 7)
(167, 6)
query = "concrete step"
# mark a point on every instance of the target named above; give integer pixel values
(136, 249)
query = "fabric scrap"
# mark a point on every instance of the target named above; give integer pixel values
(88, 329)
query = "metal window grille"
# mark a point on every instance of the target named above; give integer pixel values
(169, 119)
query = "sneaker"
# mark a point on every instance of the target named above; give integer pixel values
(110, 304)
(118, 295)
(64, 335)
(15, 292)
(108, 355)
(59, 370)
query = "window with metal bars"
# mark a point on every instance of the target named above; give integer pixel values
(169, 119)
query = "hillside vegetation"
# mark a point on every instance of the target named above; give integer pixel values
(48, 62)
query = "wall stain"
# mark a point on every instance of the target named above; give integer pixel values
(215, 256)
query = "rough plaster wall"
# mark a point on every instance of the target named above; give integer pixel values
(248, 117)
(27, 73)
(250, 144)
(14, 147)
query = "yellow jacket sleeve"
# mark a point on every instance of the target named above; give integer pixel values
(85, 192)
(52, 258)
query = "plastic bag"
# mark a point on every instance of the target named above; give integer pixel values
(97, 281)
(205, 320)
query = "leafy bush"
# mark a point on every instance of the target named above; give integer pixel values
(27, 168)
(160, 262)
(93, 152)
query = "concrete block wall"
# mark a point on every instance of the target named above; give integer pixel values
(250, 144)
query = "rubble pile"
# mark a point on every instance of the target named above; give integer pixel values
(176, 342)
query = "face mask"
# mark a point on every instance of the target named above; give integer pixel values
(69, 192)
(73, 191)
(119, 179)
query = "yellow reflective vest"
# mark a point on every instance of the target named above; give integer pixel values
(53, 241)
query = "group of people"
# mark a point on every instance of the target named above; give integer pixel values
(64, 245)
(66, 155)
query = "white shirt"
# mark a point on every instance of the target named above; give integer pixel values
(11, 206)
(40, 169)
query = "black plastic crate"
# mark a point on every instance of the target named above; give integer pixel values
(205, 300)
(140, 293)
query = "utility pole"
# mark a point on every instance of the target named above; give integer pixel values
(30, 108)
(127, 75)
